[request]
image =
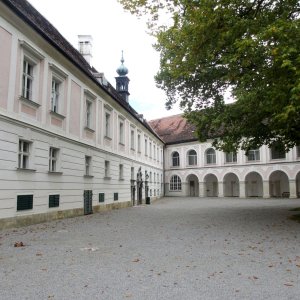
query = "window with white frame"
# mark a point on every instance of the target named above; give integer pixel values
(132, 141)
(139, 143)
(107, 124)
(298, 151)
(88, 113)
(230, 157)
(121, 172)
(31, 59)
(157, 154)
(175, 183)
(53, 159)
(27, 83)
(24, 154)
(146, 147)
(106, 168)
(154, 177)
(88, 165)
(154, 152)
(253, 155)
(150, 149)
(132, 173)
(210, 156)
(121, 132)
(175, 159)
(55, 95)
(278, 151)
(192, 157)
(150, 177)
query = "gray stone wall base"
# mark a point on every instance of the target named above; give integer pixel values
(21, 221)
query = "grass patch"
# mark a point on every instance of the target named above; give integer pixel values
(295, 209)
(295, 218)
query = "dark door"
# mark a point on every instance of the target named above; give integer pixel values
(88, 202)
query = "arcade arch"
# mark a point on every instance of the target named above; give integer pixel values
(211, 185)
(279, 184)
(231, 185)
(192, 185)
(254, 185)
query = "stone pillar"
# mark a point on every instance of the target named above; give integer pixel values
(184, 186)
(242, 189)
(201, 189)
(266, 189)
(293, 190)
(220, 189)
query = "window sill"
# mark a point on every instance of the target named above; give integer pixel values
(107, 178)
(230, 163)
(139, 152)
(277, 159)
(88, 176)
(107, 138)
(29, 102)
(26, 170)
(122, 144)
(57, 115)
(89, 129)
(121, 179)
(54, 173)
(132, 149)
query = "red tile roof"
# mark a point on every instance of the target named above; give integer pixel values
(174, 129)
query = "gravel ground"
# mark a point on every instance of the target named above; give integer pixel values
(173, 249)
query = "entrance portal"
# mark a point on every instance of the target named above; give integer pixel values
(193, 186)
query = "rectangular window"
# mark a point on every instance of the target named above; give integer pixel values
(121, 132)
(116, 196)
(150, 149)
(23, 158)
(298, 151)
(107, 124)
(230, 157)
(101, 197)
(55, 95)
(106, 170)
(150, 177)
(24, 202)
(146, 147)
(277, 151)
(53, 201)
(154, 152)
(27, 84)
(132, 173)
(139, 143)
(88, 165)
(253, 155)
(53, 156)
(154, 178)
(121, 171)
(88, 117)
(132, 146)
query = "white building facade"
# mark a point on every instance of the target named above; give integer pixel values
(194, 169)
(71, 144)
(68, 144)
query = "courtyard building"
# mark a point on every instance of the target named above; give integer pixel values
(71, 143)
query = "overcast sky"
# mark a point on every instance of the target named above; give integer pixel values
(113, 30)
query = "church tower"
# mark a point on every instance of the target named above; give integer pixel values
(122, 81)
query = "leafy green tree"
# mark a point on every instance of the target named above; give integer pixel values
(248, 50)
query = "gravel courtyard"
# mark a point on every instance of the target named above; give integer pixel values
(186, 248)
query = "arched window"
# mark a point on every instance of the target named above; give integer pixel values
(175, 183)
(210, 156)
(175, 159)
(192, 158)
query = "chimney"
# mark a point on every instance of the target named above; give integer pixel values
(85, 47)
